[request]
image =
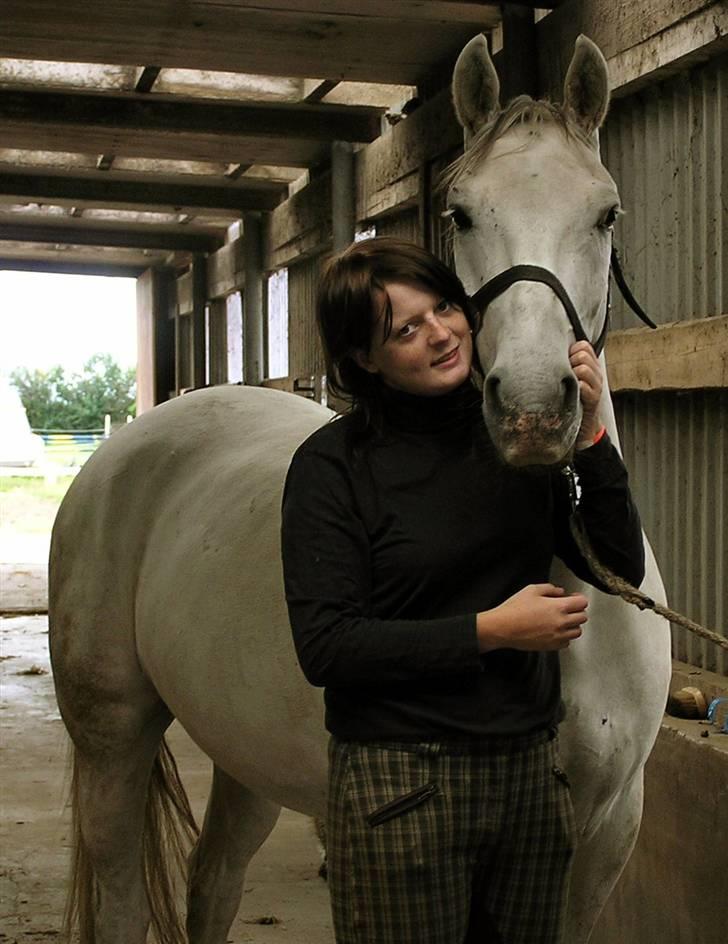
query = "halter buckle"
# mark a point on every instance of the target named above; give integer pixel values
(574, 486)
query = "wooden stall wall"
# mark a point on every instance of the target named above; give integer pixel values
(306, 362)
(404, 224)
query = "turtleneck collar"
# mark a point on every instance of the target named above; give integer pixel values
(453, 411)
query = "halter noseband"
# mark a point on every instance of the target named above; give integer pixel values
(532, 273)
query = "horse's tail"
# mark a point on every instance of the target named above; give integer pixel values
(169, 831)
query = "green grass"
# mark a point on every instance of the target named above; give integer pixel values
(34, 487)
(29, 505)
(68, 456)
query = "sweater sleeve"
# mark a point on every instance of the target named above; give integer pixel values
(327, 572)
(609, 514)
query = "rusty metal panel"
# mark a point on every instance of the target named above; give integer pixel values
(676, 449)
(666, 149)
(306, 355)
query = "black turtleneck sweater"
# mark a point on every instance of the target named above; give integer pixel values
(393, 543)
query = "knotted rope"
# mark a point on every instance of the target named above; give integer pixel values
(631, 594)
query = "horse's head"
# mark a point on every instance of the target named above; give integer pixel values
(530, 189)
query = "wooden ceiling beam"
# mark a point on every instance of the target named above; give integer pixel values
(321, 90)
(215, 149)
(60, 267)
(119, 236)
(359, 40)
(138, 112)
(246, 195)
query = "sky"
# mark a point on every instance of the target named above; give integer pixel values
(48, 319)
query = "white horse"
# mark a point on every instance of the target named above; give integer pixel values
(166, 595)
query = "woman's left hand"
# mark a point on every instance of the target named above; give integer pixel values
(588, 372)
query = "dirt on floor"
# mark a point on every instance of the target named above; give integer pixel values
(285, 900)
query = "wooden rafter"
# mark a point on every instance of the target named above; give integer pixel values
(361, 40)
(248, 194)
(118, 236)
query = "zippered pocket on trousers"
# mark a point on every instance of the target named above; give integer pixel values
(402, 804)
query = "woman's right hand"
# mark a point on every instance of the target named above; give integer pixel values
(539, 617)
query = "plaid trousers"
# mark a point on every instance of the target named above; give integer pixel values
(449, 842)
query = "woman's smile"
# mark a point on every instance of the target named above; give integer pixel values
(429, 348)
(448, 360)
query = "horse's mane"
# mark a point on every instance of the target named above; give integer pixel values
(523, 110)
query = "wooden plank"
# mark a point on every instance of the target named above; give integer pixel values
(185, 297)
(199, 299)
(155, 127)
(103, 191)
(163, 145)
(615, 27)
(371, 41)
(684, 355)
(71, 268)
(217, 354)
(85, 234)
(300, 227)
(693, 40)
(179, 116)
(519, 61)
(226, 270)
(391, 198)
(145, 379)
(155, 338)
(384, 165)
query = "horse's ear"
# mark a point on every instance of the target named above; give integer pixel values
(475, 87)
(586, 88)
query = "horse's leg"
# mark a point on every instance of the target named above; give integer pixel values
(599, 861)
(120, 783)
(111, 809)
(237, 822)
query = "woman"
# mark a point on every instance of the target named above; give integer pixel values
(416, 568)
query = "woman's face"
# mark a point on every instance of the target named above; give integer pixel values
(430, 347)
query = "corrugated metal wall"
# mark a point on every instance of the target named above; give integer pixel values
(676, 448)
(666, 149)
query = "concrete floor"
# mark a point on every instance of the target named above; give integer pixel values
(283, 885)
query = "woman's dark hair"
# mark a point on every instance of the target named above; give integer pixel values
(347, 310)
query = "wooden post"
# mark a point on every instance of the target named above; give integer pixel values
(519, 60)
(217, 352)
(343, 195)
(199, 301)
(253, 299)
(155, 338)
(424, 204)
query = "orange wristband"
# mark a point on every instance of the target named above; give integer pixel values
(599, 435)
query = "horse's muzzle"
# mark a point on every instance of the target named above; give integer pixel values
(538, 438)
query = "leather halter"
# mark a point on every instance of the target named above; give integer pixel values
(531, 273)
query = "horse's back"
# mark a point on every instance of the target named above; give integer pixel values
(166, 549)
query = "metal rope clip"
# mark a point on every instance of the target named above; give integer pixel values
(574, 487)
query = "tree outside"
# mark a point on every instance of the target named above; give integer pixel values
(60, 399)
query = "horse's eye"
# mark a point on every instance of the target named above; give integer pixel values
(610, 217)
(460, 219)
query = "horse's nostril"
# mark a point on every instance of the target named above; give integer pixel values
(492, 389)
(570, 388)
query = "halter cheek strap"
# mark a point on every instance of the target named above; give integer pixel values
(531, 273)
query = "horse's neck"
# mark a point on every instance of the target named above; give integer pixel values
(606, 407)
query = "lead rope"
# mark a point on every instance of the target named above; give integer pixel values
(618, 585)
